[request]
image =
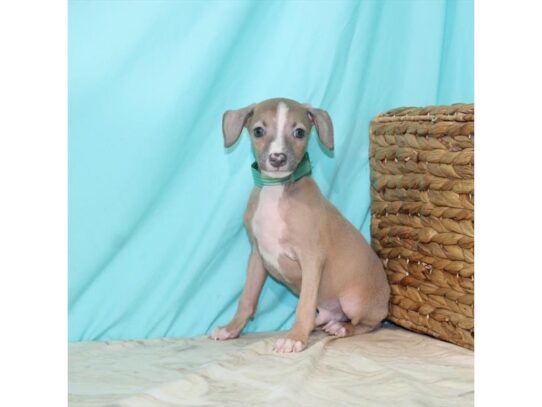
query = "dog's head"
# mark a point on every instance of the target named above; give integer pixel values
(279, 131)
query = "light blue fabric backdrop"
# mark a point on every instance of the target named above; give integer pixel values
(156, 243)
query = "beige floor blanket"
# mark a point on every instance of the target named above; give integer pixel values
(389, 367)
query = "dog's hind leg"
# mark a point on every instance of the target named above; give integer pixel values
(363, 317)
(339, 328)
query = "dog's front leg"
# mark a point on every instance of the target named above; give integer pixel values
(249, 299)
(296, 340)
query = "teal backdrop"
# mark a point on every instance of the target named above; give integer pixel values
(156, 241)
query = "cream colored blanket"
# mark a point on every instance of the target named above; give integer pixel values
(389, 367)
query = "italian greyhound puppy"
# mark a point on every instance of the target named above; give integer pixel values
(297, 235)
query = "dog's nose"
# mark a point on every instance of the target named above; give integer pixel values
(277, 160)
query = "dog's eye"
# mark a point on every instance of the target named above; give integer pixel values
(258, 132)
(299, 133)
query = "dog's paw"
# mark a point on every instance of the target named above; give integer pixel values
(289, 344)
(224, 333)
(337, 328)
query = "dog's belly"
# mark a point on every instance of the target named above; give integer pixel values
(269, 229)
(330, 310)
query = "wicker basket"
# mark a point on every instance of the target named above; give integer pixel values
(422, 168)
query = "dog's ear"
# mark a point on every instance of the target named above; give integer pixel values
(324, 127)
(233, 122)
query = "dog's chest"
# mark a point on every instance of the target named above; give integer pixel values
(269, 227)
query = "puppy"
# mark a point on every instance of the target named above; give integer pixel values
(297, 235)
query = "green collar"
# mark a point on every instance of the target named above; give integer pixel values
(303, 169)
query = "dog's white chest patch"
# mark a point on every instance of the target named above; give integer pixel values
(268, 227)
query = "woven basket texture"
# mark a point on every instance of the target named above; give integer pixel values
(422, 186)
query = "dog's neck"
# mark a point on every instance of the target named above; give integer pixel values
(303, 169)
